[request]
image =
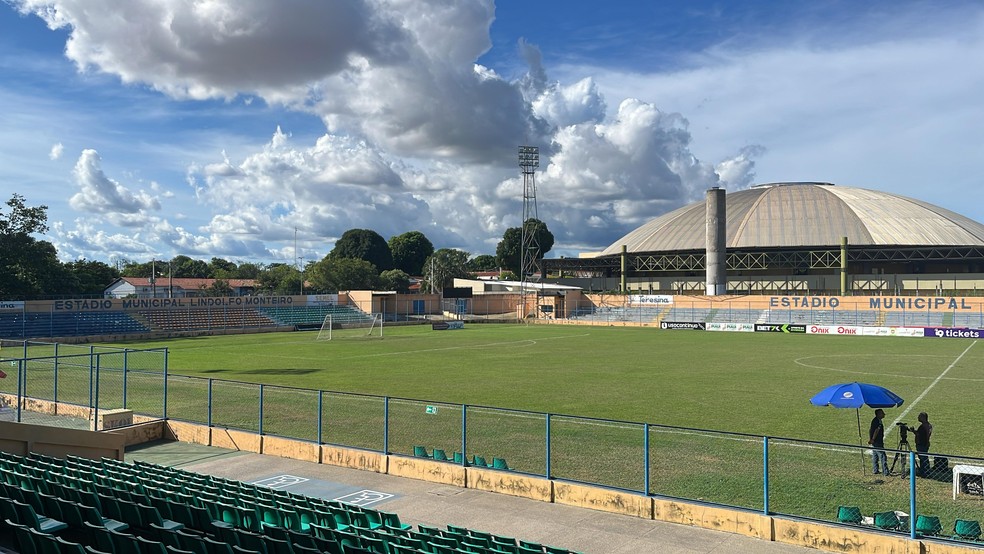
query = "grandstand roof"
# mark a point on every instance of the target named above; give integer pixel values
(808, 215)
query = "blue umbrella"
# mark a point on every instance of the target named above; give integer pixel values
(855, 395)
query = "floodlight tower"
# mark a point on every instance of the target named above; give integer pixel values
(529, 160)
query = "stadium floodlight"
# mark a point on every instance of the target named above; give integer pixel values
(529, 158)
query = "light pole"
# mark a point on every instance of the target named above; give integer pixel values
(301, 269)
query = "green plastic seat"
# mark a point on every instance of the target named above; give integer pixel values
(888, 521)
(849, 514)
(928, 525)
(499, 463)
(420, 452)
(440, 455)
(966, 529)
(479, 461)
(458, 457)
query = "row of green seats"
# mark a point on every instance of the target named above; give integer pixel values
(926, 525)
(458, 458)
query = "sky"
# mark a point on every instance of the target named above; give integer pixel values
(261, 131)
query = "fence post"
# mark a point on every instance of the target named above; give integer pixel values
(464, 434)
(548, 447)
(765, 475)
(386, 424)
(645, 457)
(55, 379)
(95, 405)
(126, 351)
(164, 415)
(260, 426)
(321, 405)
(209, 402)
(21, 377)
(912, 495)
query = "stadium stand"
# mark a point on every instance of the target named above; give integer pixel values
(110, 506)
(314, 315)
(208, 319)
(896, 319)
(67, 324)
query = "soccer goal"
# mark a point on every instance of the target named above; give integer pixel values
(347, 326)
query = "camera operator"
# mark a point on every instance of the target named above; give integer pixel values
(923, 433)
(876, 438)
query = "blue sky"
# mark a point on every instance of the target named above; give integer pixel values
(226, 128)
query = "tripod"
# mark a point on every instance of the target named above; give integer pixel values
(901, 454)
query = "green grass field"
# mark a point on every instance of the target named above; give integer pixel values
(754, 383)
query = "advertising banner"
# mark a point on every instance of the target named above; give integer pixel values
(7, 305)
(447, 325)
(733, 327)
(893, 331)
(688, 325)
(834, 330)
(951, 333)
(779, 328)
(650, 299)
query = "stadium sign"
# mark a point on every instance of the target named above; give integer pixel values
(779, 328)
(688, 325)
(953, 333)
(12, 305)
(918, 303)
(430, 410)
(650, 299)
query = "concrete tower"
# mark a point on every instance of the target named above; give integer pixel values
(716, 262)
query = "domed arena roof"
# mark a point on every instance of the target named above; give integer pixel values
(807, 215)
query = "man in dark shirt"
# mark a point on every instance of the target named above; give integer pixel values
(876, 438)
(923, 433)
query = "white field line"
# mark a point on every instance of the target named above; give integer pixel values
(933, 384)
(801, 362)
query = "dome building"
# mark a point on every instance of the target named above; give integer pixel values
(786, 238)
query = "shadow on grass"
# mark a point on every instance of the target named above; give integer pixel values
(264, 371)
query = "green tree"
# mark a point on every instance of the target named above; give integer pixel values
(219, 287)
(221, 269)
(183, 266)
(364, 244)
(483, 262)
(280, 279)
(335, 274)
(410, 251)
(507, 252)
(92, 276)
(29, 268)
(394, 279)
(443, 267)
(248, 270)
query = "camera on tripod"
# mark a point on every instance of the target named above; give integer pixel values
(904, 430)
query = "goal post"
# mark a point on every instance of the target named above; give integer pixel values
(365, 326)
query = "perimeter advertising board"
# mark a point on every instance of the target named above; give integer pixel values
(779, 328)
(733, 327)
(687, 325)
(951, 333)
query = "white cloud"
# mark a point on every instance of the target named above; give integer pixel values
(101, 195)
(56, 151)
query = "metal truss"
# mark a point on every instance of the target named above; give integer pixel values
(768, 259)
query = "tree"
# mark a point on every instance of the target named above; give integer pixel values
(221, 269)
(483, 262)
(183, 266)
(92, 276)
(334, 274)
(248, 270)
(394, 279)
(507, 253)
(280, 279)
(29, 267)
(364, 244)
(410, 251)
(443, 267)
(219, 287)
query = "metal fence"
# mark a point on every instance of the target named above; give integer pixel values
(819, 481)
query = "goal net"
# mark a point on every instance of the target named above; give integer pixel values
(351, 326)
